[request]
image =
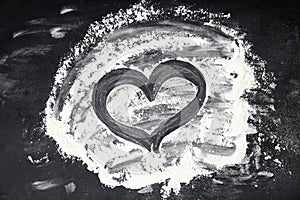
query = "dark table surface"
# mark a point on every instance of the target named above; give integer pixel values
(28, 65)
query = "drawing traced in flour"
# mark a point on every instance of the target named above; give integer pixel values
(142, 39)
(150, 87)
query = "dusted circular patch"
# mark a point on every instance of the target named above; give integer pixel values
(122, 140)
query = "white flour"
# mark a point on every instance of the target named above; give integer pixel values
(215, 137)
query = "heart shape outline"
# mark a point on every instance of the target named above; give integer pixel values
(150, 87)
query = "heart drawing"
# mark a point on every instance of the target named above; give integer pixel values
(150, 87)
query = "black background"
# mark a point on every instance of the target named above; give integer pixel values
(273, 27)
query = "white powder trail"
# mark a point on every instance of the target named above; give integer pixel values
(140, 38)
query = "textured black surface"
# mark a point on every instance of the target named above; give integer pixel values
(28, 64)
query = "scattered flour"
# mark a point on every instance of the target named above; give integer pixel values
(140, 38)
